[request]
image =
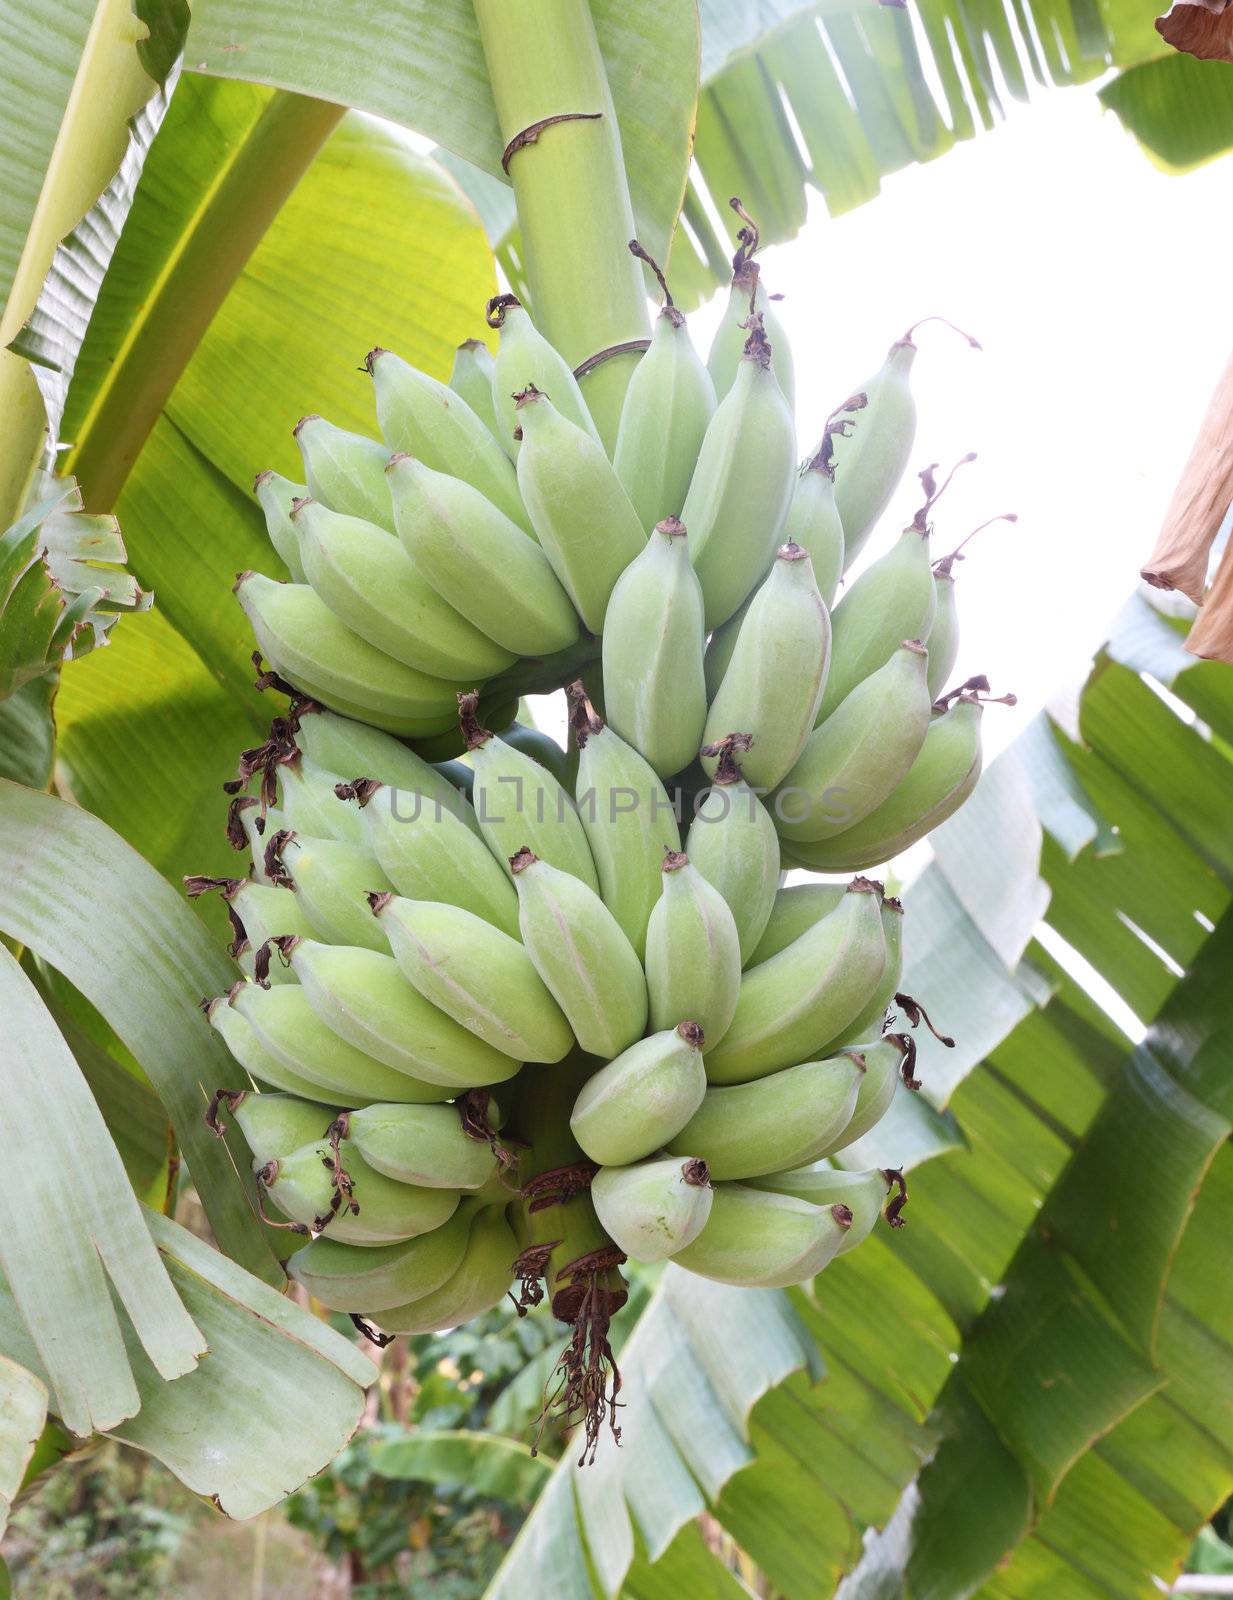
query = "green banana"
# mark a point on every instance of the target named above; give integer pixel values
(264, 911)
(346, 1277)
(760, 1240)
(719, 649)
(542, 749)
(526, 360)
(792, 1006)
(636, 1103)
(369, 582)
(286, 1043)
(363, 997)
(480, 1281)
(813, 522)
(653, 644)
(655, 1208)
(352, 749)
(250, 826)
(775, 679)
(345, 471)
(418, 415)
(309, 805)
(471, 378)
(518, 803)
(871, 460)
(628, 818)
(888, 1061)
(428, 852)
(796, 908)
(276, 496)
(276, 1125)
(746, 296)
(776, 1122)
(476, 974)
(859, 756)
(261, 1064)
(693, 952)
(937, 783)
(332, 881)
(580, 952)
(742, 484)
(480, 561)
(581, 515)
(943, 640)
(305, 642)
(733, 843)
(321, 1186)
(892, 600)
(871, 1020)
(669, 401)
(861, 1193)
(423, 1145)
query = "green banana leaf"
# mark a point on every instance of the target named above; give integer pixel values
(1028, 1388)
(23, 1411)
(488, 1465)
(277, 1398)
(82, 900)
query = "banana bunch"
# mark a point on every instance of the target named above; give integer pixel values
(509, 1012)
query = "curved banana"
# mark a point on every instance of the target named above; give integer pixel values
(742, 484)
(814, 523)
(353, 750)
(284, 1042)
(667, 406)
(628, 818)
(345, 471)
(480, 561)
(264, 912)
(797, 907)
(421, 416)
(943, 640)
(332, 882)
(481, 1279)
(309, 805)
(746, 296)
(471, 377)
(776, 1122)
(427, 1146)
(653, 644)
(693, 952)
(790, 1006)
(306, 643)
(886, 1062)
(362, 997)
(655, 1208)
(892, 600)
(580, 952)
(857, 758)
(733, 843)
(937, 783)
(369, 582)
(322, 1186)
(525, 360)
(871, 459)
(641, 1099)
(760, 1240)
(428, 852)
(476, 974)
(262, 1066)
(277, 1125)
(581, 515)
(871, 1020)
(276, 496)
(348, 1277)
(518, 803)
(861, 1193)
(774, 682)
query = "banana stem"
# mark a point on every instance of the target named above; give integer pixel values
(563, 156)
